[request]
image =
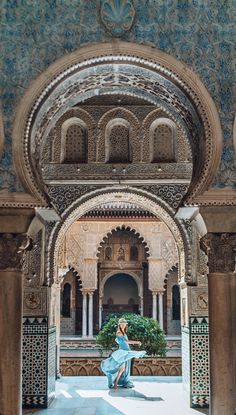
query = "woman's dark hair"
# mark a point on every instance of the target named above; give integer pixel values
(123, 331)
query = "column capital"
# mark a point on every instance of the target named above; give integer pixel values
(91, 293)
(221, 251)
(157, 291)
(12, 247)
(87, 291)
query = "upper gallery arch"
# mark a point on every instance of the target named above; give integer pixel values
(125, 69)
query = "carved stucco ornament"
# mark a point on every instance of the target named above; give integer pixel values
(221, 251)
(117, 16)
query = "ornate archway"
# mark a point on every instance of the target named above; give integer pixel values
(153, 204)
(135, 72)
(127, 69)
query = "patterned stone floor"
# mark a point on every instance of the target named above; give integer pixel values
(90, 396)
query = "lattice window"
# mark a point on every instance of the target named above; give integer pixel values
(119, 145)
(175, 302)
(121, 254)
(163, 144)
(133, 253)
(66, 300)
(75, 144)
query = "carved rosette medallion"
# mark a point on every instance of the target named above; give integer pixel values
(117, 16)
(32, 300)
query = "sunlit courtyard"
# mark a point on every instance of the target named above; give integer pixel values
(89, 395)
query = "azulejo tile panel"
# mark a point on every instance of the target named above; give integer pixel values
(39, 359)
(200, 371)
(186, 362)
(51, 364)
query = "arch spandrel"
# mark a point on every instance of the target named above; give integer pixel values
(138, 56)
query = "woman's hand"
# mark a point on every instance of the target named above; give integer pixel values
(137, 342)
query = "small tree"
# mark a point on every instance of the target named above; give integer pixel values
(144, 329)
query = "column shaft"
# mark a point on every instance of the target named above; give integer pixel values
(90, 315)
(160, 306)
(141, 305)
(10, 342)
(154, 305)
(222, 294)
(84, 317)
(100, 312)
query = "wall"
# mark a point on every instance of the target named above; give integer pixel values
(200, 33)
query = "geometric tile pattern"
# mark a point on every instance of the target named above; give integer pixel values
(51, 364)
(37, 352)
(186, 362)
(199, 362)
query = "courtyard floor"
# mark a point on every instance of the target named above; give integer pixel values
(89, 395)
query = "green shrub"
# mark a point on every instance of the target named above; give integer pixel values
(144, 329)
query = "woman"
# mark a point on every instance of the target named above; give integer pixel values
(117, 366)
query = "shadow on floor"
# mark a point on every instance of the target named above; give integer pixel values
(132, 394)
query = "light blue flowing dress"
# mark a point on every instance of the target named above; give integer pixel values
(120, 357)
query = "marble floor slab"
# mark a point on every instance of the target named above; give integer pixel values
(89, 395)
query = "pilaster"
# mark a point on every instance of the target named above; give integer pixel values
(221, 251)
(12, 246)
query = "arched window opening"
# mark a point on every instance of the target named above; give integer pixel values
(108, 253)
(118, 149)
(175, 302)
(134, 253)
(163, 136)
(66, 300)
(75, 145)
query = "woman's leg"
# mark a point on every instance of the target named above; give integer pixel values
(126, 376)
(121, 370)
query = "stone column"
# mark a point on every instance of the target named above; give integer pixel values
(221, 295)
(154, 305)
(84, 316)
(141, 305)
(160, 308)
(100, 312)
(90, 328)
(10, 323)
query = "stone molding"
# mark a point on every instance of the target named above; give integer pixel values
(140, 56)
(19, 200)
(216, 197)
(221, 251)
